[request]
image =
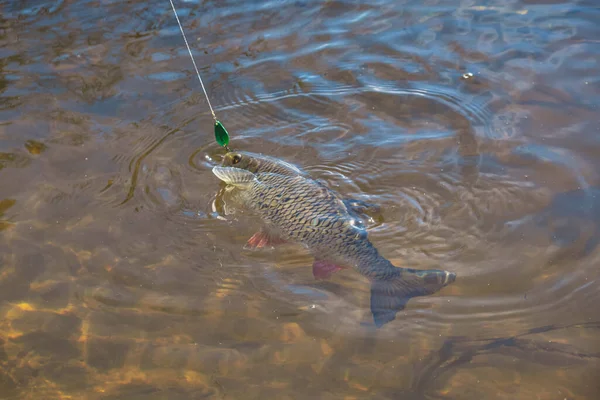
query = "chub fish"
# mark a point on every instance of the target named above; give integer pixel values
(293, 207)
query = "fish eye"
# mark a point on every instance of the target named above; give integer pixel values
(236, 159)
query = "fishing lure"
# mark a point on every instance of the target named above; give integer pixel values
(221, 134)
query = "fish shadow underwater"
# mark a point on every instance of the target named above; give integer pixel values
(295, 208)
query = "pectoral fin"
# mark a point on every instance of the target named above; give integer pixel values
(234, 176)
(324, 269)
(263, 238)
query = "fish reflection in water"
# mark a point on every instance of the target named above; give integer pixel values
(567, 217)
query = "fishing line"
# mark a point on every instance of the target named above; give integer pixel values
(221, 135)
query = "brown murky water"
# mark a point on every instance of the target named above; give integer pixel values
(473, 124)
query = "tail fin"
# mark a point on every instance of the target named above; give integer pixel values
(391, 295)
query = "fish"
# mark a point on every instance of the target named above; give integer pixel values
(295, 208)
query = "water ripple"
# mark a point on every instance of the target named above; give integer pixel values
(470, 125)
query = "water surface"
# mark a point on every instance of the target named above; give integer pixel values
(472, 124)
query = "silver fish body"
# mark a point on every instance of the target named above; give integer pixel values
(297, 208)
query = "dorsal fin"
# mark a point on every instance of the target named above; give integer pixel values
(234, 176)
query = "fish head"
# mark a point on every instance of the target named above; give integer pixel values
(258, 163)
(239, 159)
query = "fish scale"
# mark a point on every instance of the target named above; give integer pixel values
(296, 208)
